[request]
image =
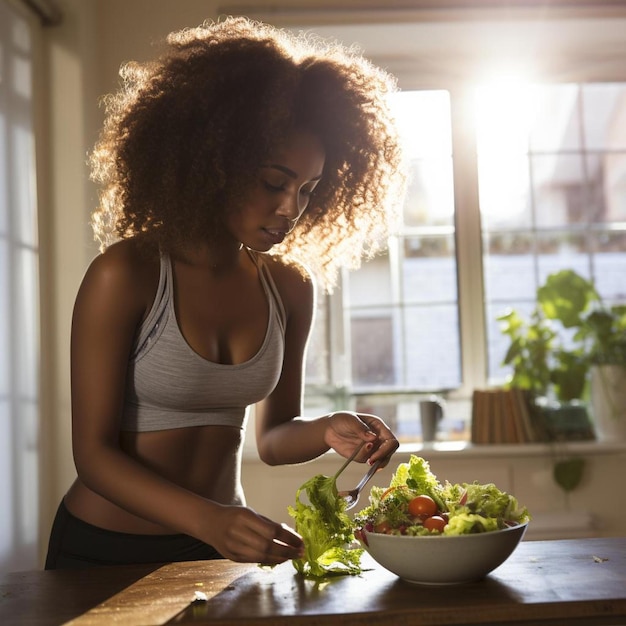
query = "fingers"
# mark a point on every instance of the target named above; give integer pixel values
(384, 451)
(350, 430)
(384, 445)
(246, 537)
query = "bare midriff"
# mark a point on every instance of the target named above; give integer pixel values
(202, 459)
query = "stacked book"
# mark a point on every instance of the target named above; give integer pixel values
(503, 416)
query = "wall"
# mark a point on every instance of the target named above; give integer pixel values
(65, 240)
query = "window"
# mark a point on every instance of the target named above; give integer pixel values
(548, 162)
(552, 179)
(19, 384)
(414, 287)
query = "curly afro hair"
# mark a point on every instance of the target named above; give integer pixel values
(184, 137)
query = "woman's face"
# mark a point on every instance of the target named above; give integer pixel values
(280, 194)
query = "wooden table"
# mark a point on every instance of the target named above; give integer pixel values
(544, 582)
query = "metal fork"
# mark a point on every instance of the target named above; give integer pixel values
(348, 461)
(351, 496)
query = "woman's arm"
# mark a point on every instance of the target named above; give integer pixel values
(116, 291)
(283, 437)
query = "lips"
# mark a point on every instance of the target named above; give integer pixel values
(278, 231)
(276, 235)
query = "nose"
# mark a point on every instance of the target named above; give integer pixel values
(291, 207)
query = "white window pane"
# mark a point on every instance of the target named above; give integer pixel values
(562, 250)
(604, 116)
(5, 322)
(372, 351)
(25, 324)
(7, 520)
(423, 118)
(317, 357)
(430, 193)
(4, 168)
(23, 186)
(371, 284)
(498, 268)
(562, 190)
(614, 186)
(429, 270)
(22, 78)
(610, 270)
(555, 124)
(432, 347)
(504, 190)
(504, 116)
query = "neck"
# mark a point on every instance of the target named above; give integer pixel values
(218, 259)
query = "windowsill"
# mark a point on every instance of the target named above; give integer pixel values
(465, 449)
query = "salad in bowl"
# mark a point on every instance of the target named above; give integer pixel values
(439, 534)
(416, 504)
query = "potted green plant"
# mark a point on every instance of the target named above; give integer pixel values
(607, 329)
(600, 330)
(553, 368)
(548, 362)
(572, 337)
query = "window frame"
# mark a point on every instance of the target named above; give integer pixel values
(598, 65)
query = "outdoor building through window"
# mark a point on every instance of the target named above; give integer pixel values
(548, 162)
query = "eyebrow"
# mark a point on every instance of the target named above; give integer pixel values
(286, 170)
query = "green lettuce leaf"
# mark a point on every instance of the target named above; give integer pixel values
(326, 529)
(489, 507)
(469, 523)
(416, 475)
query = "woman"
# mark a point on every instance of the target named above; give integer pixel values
(240, 141)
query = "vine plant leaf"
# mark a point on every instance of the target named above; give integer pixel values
(569, 473)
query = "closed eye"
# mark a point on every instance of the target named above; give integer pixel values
(271, 187)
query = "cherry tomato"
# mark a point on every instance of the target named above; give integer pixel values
(435, 522)
(422, 506)
(382, 527)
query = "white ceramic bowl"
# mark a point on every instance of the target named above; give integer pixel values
(444, 560)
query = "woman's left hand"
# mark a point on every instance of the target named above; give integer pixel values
(347, 430)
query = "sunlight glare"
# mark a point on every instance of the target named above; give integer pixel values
(505, 109)
(423, 118)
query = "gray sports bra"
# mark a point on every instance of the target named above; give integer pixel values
(168, 385)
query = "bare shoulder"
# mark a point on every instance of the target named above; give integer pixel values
(125, 270)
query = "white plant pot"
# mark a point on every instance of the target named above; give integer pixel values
(608, 401)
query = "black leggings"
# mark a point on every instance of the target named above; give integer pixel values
(76, 544)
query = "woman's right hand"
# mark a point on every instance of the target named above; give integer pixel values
(240, 534)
